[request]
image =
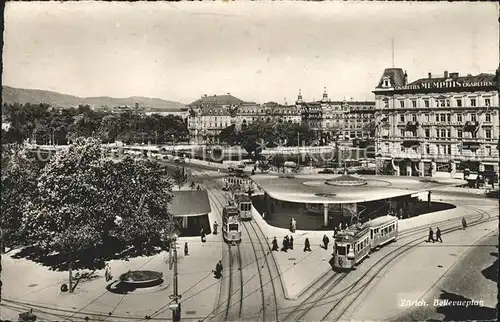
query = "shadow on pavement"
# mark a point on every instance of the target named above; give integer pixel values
(456, 312)
(88, 259)
(120, 288)
(491, 272)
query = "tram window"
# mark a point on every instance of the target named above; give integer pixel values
(371, 234)
(348, 246)
(233, 227)
(341, 250)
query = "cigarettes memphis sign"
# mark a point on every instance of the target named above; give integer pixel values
(445, 84)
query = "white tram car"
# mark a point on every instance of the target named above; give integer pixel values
(244, 204)
(352, 245)
(231, 225)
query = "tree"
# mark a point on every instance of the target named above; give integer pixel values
(229, 135)
(370, 127)
(79, 195)
(19, 174)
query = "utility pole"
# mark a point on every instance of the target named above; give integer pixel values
(298, 149)
(175, 306)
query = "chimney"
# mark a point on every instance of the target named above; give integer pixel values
(430, 75)
(445, 74)
(405, 78)
(228, 93)
(454, 75)
(205, 95)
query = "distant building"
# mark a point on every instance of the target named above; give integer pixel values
(126, 108)
(437, 123)
(341, 121)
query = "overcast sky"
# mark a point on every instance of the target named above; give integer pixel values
(256, 51)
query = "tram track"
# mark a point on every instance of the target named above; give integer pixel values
(330, 280)
(384, 262)
(261, 262)
(233, 311)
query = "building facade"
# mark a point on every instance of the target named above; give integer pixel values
(209, 115)
(342, 121)
(436, 124)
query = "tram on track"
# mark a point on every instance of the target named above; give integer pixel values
(244, 204)
(231, 225)
(353, 244)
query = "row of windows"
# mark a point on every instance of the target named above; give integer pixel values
(441, 102)
(443, 149)
(360, 245)
(447, 133)
(442, 117)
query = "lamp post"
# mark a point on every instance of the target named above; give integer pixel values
(175, 306)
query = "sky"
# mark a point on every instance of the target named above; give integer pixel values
(257, 51)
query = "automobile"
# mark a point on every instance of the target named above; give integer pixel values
(326, 171)
(225, 188)
(179, 160)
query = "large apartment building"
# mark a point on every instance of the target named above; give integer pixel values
(337, 120)
(209, 115)
(437, 123)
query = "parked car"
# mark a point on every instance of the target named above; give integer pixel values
(326, 171)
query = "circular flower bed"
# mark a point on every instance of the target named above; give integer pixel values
(141, 277)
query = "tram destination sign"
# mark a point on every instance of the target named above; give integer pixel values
(444, 84)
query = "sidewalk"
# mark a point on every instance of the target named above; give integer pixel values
(30, 282)
(422, 268)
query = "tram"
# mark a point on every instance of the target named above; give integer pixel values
(231, 225)
(383, 230)
(244, 204)
(353, 244)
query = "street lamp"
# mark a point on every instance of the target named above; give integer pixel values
(175, 306)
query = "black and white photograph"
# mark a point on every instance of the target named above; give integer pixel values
(250, 161)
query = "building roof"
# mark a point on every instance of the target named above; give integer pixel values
(483, 77)
(215, 111)
(217, 100)
(396, 75)
(190, 203)
(314, 188)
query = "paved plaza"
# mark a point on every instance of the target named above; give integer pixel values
(26, 283)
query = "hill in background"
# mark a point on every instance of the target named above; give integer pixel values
(12, 95)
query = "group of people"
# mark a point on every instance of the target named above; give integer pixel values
(438, 232)
(431, 236)
(287, 244)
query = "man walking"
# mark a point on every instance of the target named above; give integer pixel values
(431, 236)
(325, 242)
(215, 227)
(464, 223)
(291, 242)
(438, 235)
(275, 247)
(307, 245)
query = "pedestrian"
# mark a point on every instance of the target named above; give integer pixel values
(264, 215)
(107, 273)
(202, 233)
(294, 225)
(291, 225)
(307, 245)
(285, 244)
(464, 223)
(431, 236)
(335, 229)
(291, 242)
(215, 227)
(325, 242)
(438, 235)
(218, 270)
(186, 249)
(275, 245)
